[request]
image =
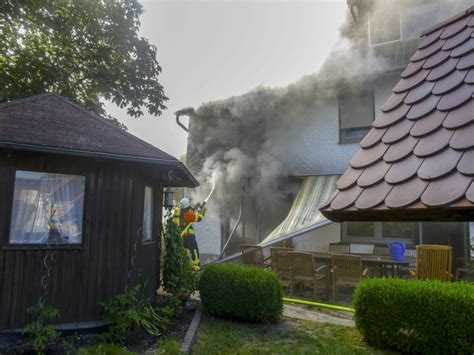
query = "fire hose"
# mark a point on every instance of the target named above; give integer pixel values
(208, 196)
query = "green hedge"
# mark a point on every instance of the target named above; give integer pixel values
(416, 316)
(241, 292)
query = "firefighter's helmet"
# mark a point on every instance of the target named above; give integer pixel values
(185, 203)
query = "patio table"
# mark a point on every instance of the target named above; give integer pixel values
(379, 260)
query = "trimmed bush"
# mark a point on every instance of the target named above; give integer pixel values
(241, 292)
(416, 316)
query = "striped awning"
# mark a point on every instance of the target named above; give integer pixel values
(304, 215)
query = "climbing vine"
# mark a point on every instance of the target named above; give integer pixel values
(179, 277)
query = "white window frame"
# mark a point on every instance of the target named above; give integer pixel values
(393, 41)
(15, 244)
(147, 232)
(378, 237)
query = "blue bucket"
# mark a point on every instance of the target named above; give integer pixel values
(397, 251)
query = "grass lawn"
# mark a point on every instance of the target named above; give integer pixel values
(286, 337)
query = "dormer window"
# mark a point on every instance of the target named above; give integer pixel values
(384, 22)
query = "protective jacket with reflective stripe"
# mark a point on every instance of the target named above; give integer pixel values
(185, 218)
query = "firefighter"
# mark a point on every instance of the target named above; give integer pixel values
(185, 216)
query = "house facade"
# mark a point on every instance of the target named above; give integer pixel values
(313, 128)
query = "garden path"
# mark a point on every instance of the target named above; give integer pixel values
(315, 316)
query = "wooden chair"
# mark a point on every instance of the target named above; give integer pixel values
(433, 262)
(304, 272)
(280, 249)
(464, 275)
(281, 264)
(346, 272)
(253, 255)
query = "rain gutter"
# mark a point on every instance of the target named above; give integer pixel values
(86, 153)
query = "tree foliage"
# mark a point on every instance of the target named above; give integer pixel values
(85, 50)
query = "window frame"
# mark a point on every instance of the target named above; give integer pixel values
(342, 139)
(7, 245)
(387, 42)
(153, 239)
(378, 237)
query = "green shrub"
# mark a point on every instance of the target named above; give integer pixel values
(39, 333)
(241, 292)
(130, 310)
(416, 316)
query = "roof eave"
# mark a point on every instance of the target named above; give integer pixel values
(188, 179)
(438, 214)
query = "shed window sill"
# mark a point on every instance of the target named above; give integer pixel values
(148, 242)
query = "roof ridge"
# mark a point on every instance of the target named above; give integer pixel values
(448, 21)
(26, 99)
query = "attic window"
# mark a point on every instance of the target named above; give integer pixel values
(356, 114)
(384, 22)
(47, 208)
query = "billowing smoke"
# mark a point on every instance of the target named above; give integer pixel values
(235, 144)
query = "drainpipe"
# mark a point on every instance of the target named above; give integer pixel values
(188, 111)
(352, 4)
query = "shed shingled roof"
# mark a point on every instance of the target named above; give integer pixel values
(417, 161)
(51, 122)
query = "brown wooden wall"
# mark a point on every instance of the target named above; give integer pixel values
(97, 269)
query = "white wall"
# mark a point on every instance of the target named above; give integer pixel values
(208, 231)
(310, 141)
(310, 137)
(319, 239)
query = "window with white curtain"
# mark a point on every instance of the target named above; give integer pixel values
(47, 208)
(148, 214)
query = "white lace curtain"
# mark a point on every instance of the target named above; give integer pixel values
(47, 208)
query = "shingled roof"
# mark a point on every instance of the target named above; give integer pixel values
(52, 123)
(417, 161)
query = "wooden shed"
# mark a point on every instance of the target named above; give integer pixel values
(79, 199)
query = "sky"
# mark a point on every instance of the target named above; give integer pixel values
(211, 50)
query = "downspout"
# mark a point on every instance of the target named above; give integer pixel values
(188, 111)
(353, 4)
